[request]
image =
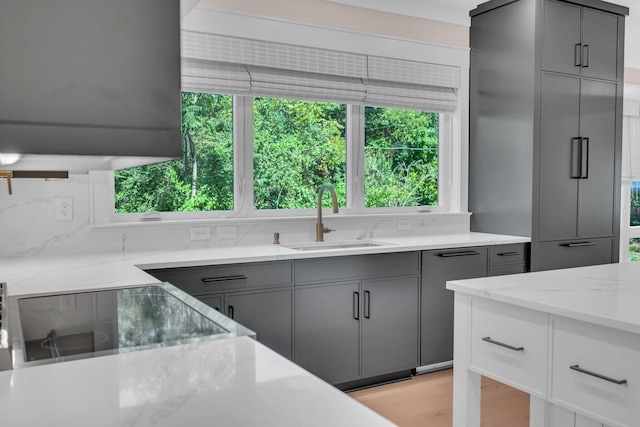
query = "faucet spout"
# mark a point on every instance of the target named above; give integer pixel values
(320, 228)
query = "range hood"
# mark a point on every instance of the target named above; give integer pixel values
(89, 84)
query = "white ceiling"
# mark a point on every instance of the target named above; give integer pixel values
(457, 12)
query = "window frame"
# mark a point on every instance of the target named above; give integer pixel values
(243, 174)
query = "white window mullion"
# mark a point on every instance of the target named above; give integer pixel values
(243, 155)
(355, 158)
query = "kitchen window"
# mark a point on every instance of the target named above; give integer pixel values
(266, 124)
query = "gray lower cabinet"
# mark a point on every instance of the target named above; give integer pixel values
(438, 266)
(357, 317)
(327, 330)
(267, 313)
(256, 295)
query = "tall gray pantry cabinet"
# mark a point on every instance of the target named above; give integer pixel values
(546, 85)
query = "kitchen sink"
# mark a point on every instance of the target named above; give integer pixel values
(320, 246)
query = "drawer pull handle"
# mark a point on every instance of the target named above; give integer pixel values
(223, 278)
(593, 374)
(509, 254)
(578, 244)
(510, 347)
(452, 254)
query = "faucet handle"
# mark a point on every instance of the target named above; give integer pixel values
(327, 230)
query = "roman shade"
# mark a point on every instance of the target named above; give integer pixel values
(230, 65)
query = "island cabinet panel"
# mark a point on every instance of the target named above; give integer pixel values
(595, 371)
(359, 319)
(546, 81)
(257, 295)
(439, 266)
(509, 344)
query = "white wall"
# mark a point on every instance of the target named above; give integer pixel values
(27, 218)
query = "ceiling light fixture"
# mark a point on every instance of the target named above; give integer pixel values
(9, 158)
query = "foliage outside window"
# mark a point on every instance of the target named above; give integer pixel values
(634, 212)
(202, 180)
(297, 147)
(401, 158)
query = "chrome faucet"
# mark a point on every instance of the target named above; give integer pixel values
(321, 229)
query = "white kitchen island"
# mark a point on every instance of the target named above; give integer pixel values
(570, 338)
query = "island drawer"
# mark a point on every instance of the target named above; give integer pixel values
(230, 277)
(596, 371)
(509, 344)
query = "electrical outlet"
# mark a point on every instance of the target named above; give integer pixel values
(67, 302)
(64, 209)
(404, 224)
(200, 233)
(227, 232)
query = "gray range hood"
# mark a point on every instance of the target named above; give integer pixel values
(89, 84)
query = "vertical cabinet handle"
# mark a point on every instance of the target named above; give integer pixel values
(577, 55)
(585, 56)
(356, 305)
(576, 160)
(367, 304)
(230, 311)
(584, 158)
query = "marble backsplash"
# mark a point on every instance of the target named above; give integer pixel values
(28, 225)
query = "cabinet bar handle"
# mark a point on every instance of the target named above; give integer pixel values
(510, 347)
(509, 254)
(593, 374)
(356, 305)
(230, 311)
(584, 158)
(452, 254)
(576, 157)
(367, 304)
(578, 244)
(585, 56)
(223, 278)
(577, 55)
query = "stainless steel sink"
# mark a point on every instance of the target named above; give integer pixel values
(349, 244)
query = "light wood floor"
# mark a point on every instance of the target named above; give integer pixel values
(426, 400)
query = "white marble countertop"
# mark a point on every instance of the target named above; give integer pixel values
(607, 295)
(38, 274)
(234, 382)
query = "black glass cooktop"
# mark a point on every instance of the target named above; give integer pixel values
(85, 324)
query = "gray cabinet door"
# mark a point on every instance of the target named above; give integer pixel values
(580, 40)
(600, 40)
(267, 313)
(327, 319)
(560, 126)
(389, 325)
(436, 335)
(561, 37)
(598, 127)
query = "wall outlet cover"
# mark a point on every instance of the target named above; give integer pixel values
(200, 233)
(227, 232)
(404, 224)
(64, 209)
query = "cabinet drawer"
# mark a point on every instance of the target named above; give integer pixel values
(606, 352)
(574, 253)
(509, 344)
(216, 279)
(357, 266)
(507, 254)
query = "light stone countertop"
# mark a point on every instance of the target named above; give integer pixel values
(607, 295)
(42, 274)
(232, 382)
